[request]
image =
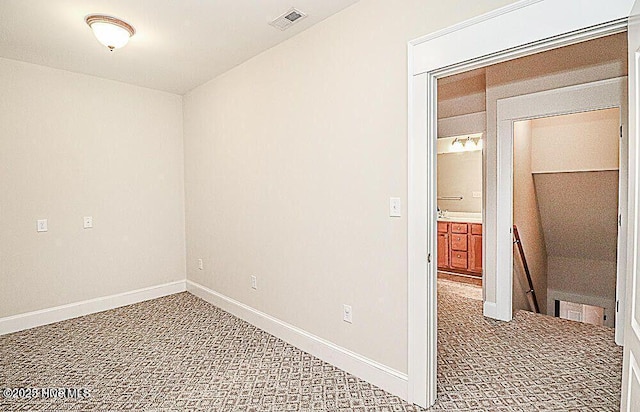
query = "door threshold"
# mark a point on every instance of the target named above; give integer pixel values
(459, 277)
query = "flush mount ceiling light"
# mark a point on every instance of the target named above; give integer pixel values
(110, 31)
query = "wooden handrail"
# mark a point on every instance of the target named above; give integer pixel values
(526, 270)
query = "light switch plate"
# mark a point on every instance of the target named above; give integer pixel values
(395, 207)
(42, 225)
(476, 194)
(88, 222)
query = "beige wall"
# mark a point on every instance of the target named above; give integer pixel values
(599, 59)
(460, 174)
(461, 111)
(461, 95)
(575, 160)
(290, 161)
(526, 217)
(71, 146)
(567, 219)
(579, 214)
(576, 142)
(461, 105)
(567, 289)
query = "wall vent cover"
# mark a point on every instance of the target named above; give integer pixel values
(286, 20)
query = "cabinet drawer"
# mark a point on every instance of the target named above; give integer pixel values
(458, 242)
(458, 259)
(443, 227)
(476, 229)
(458, 228)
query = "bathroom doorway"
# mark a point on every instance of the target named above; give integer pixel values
(461, 130)
(460, 209)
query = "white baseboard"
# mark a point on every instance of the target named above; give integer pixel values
(369, 370)
(490, 309)
(29, 320)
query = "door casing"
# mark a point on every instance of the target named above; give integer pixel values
(603, 94)
(522, 28)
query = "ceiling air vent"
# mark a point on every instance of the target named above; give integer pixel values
(288, 19)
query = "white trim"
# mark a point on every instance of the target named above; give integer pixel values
(500, 265)
(632, 327)
(421, 273)
(463, 124)
(521, 29)
(473, 21)
(519, 107)
(595, 169)
(374, 372)
(603, 94)
(42, 317)
(489, 309)
(634, 374)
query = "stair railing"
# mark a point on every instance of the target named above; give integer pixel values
(531, 292)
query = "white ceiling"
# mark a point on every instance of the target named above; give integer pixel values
(178, 45)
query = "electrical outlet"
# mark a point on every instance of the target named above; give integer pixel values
(200, 264)
(42, 225)
(476, 195)
(254, 282)
(347, 313)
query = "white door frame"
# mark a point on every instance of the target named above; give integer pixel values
(522, 28)
(604, 94)
(631, 351)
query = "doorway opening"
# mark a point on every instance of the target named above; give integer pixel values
(508, 33)
(566, 188)
(468, 110)
(461, 131)
(600, 61)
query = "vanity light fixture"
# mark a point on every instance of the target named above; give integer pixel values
(110, 31)
(466, 144)
(473, 144)
(457, 145)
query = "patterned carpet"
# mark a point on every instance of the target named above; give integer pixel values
(180, 353)
(533, 363)
(464, 290)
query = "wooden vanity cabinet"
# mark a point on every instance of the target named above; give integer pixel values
(460, 247)
(443, 244)
(475, 249)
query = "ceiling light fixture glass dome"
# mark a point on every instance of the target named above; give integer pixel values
(110, 31)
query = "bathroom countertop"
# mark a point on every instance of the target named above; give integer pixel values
(462, 217)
